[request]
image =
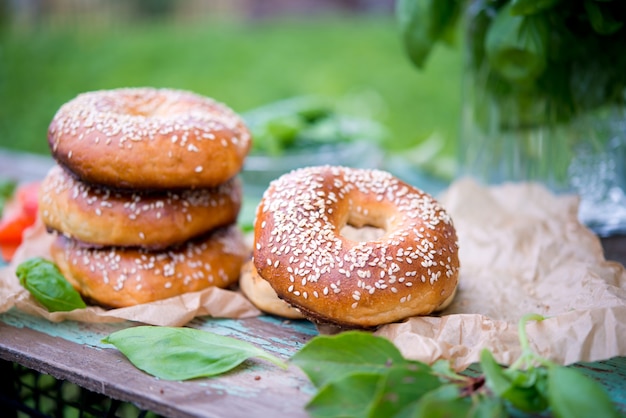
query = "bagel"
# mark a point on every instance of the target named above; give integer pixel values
(260, 293)
(104, 217)
(120, 277)
(299, 247)
(147, 138)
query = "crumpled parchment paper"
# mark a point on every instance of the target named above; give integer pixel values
(522, 250)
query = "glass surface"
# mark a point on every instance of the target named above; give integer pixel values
(524, 132)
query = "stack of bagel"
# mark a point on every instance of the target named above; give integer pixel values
(145, 195)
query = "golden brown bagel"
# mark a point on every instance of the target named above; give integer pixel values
(261, 294)
(146, 138)
(119, 277)
(103, 217)
(299, 249)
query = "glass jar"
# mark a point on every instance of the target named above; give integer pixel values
(519, 132)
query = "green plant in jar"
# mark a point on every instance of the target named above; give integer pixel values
(544, 94)
(539, 60)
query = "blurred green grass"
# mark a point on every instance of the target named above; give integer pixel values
(357, 61)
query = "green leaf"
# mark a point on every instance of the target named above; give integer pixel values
(488, 407)
(516, 45)
(402, 386)
(176, 353)
(349, 396)
(326, 358)
(572, 395)
(285, 129)
(528, 7)
(496, 379)
(444, 369)
(423, 23)
(45, 282)
(383, 393)
(524, 390)
(445, 401)
(528, 390)
(7, 188)
(601, 19)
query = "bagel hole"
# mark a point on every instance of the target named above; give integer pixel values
(362, 230)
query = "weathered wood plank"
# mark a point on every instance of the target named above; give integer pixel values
(256, 388)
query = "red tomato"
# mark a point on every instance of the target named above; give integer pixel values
(7, 251)
(13, 224)
(28, 198)
(11, 228)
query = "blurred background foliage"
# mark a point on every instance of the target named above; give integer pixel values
(245, 53)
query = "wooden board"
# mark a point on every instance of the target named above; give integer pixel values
(74, 352)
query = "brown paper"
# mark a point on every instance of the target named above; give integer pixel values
(522, 250)
(174, 311)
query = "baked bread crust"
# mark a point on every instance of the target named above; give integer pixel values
(119, 277)
(299, 249)
(100, 216)
(147, 138)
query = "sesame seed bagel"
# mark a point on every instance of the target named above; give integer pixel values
(104, 217)
(299, 248)
(148, 138)
(119, 277)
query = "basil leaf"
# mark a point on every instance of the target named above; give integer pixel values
(381, 393)
(601, 19)
(176, 353)
(423, 23)
(488, 407)
(45, 282)
(495, 377)
(572, 395)
(444, 368)
(325, 358)
(516, 45)
(444, 401)
(522, 389)
(403, 386)
(349, 396)
(527, 7)
(528, 390)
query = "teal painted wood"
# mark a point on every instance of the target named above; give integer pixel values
(611, 373)
(284, 344)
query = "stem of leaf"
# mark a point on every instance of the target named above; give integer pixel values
(528, 356)
(521, 329)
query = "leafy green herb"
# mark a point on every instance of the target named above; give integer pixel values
(7, 188)
(45, 282)
(323, 362)
(360, 375)
(564, 57)
(305, 122)
(517, 46)
(529, 7)
(571, 394)
(177, 353)
(423, 23)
